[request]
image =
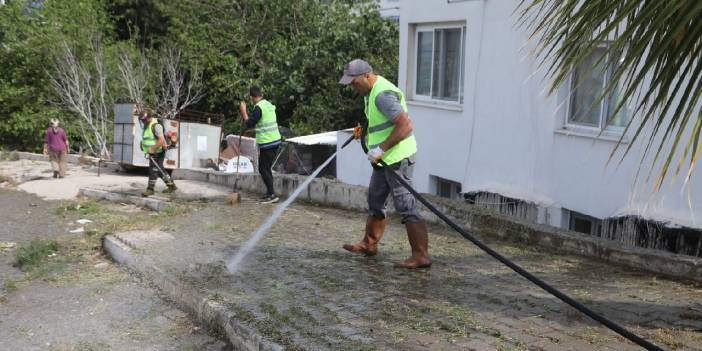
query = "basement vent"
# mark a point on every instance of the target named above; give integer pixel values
(446, 188)
(639, 232)
(585, 224)
(505, 205)
(634, 231)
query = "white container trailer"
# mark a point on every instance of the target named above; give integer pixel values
(197, 137)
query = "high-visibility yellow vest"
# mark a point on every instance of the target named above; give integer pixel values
(267, 127)
(380, 126)
(148, 139)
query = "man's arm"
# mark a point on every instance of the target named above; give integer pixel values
(242, 110)
(403, 129)
(388, 102)
(46, 143)
(255, 117)
(160, 139)
(65, 140)
(160, 142)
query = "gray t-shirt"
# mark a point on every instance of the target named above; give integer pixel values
(158, 130)
(388, 102)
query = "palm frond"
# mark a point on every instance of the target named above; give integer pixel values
(658, 46)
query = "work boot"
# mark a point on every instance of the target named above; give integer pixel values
(148, 192)
(56, 174)
(419, 242)
(375, 228)
(171, 188)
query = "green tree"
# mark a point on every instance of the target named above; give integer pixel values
(140, 20)
(24, 111)
(656, 45)
(294, 49)
(31, 34)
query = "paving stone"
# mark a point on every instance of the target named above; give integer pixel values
(326, 298)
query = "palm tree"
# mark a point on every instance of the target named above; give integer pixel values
(657, 67)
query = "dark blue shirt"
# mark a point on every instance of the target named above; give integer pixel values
(254, 118)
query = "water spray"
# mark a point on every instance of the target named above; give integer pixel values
(234, 263)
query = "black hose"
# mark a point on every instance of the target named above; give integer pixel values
(542, 284)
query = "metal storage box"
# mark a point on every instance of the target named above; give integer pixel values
(198, 136)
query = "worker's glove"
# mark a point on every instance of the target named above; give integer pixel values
(357, 132)
(375, 154)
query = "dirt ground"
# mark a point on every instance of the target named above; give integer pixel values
(76, 299)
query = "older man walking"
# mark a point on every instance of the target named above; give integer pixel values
(56, 146)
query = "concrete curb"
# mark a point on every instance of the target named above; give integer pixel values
(330, 192)
(152, 203)
(204, 309)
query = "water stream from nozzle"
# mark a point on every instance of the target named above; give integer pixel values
(234, 263)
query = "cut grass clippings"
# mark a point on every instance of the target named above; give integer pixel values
(82, 209)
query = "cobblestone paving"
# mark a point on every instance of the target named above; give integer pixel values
(300, 289)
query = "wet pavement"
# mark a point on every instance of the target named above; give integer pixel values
(301, 290)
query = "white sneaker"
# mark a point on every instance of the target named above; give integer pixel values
(270, 199)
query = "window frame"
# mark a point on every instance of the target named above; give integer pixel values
(602, 126)
(423, 28)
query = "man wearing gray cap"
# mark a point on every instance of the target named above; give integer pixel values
(389, 138)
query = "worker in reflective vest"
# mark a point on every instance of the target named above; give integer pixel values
(263, 118)
(389, 138)
(153, 144)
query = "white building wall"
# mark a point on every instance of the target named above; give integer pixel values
(508, 137)
(352, 166)
(390, 8)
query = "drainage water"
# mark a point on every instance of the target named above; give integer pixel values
(233, 263)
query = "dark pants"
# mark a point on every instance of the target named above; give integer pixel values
(154, 172)
(265, 167)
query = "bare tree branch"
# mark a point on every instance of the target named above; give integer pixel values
(178, 89)
(134, 71)
(82, 89)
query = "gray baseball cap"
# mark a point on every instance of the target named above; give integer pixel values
(354, 69)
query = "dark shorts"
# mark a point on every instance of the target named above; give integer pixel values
(383, 184)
